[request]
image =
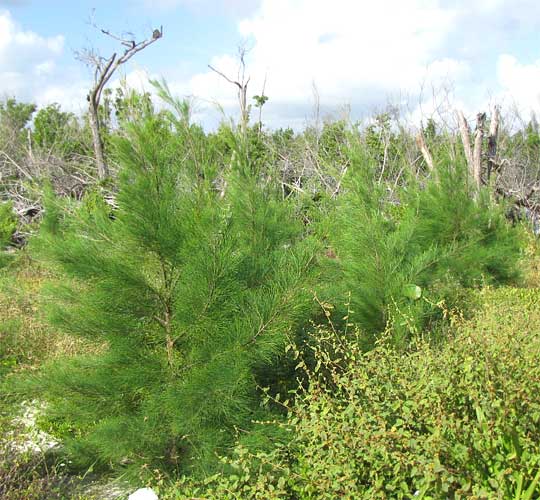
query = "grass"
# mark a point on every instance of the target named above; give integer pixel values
(26, 340)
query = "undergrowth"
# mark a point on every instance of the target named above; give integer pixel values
(459, 420)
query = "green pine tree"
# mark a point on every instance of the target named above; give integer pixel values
(189, 292)
(400, 251)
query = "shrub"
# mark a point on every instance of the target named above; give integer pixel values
(428, 240)
(458, 421)
(193, 296)
(8, 225)
(8, 222)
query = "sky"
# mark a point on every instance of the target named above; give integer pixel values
(312, 58)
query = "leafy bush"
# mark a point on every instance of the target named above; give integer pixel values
(59, 132)
(459, 421)
(8, 222)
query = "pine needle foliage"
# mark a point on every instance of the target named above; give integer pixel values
(193, 292)
(400, 252)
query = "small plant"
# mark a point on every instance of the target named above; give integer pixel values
(8, 221)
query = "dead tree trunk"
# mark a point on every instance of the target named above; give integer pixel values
(103, 71)
(421, 143)
(477, 153)
(473, 156)
(492, 142)
(102, 168)
(466, 139)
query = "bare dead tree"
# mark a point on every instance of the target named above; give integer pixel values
(477, 153)
(465, 132)
(474, 156)
(242, 84)
(492, 141)
(104, 68)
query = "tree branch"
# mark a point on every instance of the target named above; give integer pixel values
(225, 76)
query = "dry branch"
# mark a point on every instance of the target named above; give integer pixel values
(465, 139)
(242, 85)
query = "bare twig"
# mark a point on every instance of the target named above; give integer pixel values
(242, 85)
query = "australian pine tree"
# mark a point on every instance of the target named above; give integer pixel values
(401, 251)
(189, 292)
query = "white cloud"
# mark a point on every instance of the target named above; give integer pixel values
(359, 54)
(20, 50)
(520, 82)
(28, 65)
(356, 53)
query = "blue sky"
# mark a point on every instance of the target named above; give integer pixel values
(192, 35)
(427, 57)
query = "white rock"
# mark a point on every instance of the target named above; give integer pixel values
(143, 494)
(30, 438)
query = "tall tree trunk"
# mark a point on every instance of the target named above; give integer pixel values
(492, 142)
(477, 153)
(102, 168)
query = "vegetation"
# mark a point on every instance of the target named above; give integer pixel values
(175, 337)
(194, 295)
(458, 420)
(431, 242)
(8, 225)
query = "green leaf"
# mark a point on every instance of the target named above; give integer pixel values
(413, 292)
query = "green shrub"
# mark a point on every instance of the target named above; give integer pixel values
(8, 225)
(430, 239)
(192, 294)
(459, 421)
(8, 222)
